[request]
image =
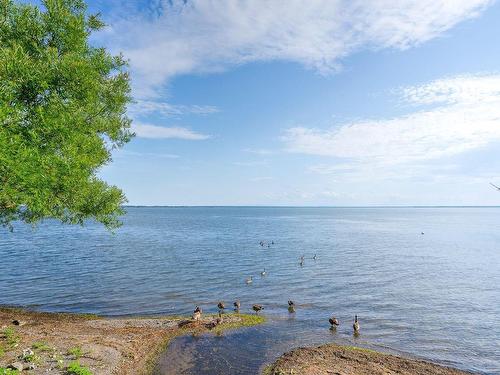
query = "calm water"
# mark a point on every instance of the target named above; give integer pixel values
(434, 296)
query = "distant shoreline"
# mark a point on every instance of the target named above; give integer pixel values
(259, 206)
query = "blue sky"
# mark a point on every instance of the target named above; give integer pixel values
(309, 103)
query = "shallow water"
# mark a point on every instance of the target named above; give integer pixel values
(434, 296)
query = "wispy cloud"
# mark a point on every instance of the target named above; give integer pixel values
(465, 116)
(160, 132)
(260, 151)
(199, 36)
(145, 107)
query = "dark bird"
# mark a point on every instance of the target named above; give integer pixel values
(291, 303)
(237, 304)
(355, 326)
(263, 273)
(496, 187)
(257, 308)
(197, 313)
(221, 305)
(334, 322)
(314, 257)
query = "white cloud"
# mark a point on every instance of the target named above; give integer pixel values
(160, 132)
(201, 36)
(467, 117)
(144, 107)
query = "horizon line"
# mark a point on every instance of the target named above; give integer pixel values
(304, 206)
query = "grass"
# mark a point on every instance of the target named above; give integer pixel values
(11, 337)
(76, 352)
(8, 371)
(357, 348)
(75, 368)
(41, 346)
(2, 351)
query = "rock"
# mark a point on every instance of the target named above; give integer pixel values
(16, 366)
(18, 322)
(27, 353)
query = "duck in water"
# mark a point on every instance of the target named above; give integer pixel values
(257, 308)
(334, 322)
(263, 273)
(314, 257)
(355, 326)
(237, 305)
(249, 280)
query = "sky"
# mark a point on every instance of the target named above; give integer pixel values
(308, 103)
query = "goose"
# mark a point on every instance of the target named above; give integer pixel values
(301, 262)
(334, 322)
(257, 308)
(237, 304)
(314, 257)
(249, 280)
(355, 326)
(291, 303)
(221, 305)
(197, 313)
(263, 273)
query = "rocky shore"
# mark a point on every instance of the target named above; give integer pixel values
(335, 359)
(52, 343)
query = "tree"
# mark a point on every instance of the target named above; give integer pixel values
(62, 111)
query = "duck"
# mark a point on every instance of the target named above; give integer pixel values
(257, 308)
(355, 326)
(237, 304)
(334, 322)
(249, 280)
(263, 273)
(197, 313)
(314, 257)
(221, 305)
(301, 262)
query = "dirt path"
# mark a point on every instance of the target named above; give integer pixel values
(342, 360)
(47, 343)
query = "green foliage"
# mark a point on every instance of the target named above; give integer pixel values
(62, 111)
(75, 368)
(8, 371)
(41, 346)
(2, 351)
(10, 336)
(76, 352)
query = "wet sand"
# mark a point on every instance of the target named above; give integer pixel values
(337, 359)
(47, 343)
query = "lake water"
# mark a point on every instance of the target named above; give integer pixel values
(434, 295)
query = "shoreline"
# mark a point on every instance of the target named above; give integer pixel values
(54, 343)
(50, 343)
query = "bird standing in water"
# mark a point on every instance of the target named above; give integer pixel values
(334, 322)
(237, 305)
(355, 326)
(291, 307)
(257, 308)
(263, 273)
